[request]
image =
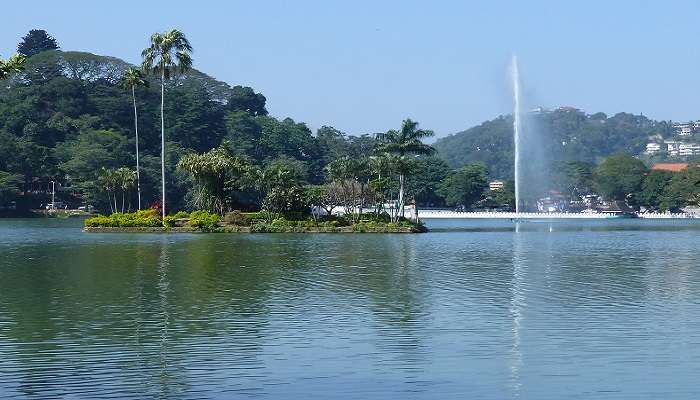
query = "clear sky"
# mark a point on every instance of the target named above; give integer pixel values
(363, 66)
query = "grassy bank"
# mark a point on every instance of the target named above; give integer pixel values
(237, 222)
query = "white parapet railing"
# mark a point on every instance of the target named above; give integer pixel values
(449, 214)
(667, 215)
(428, 214)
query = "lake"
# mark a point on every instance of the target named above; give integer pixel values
(474, 309)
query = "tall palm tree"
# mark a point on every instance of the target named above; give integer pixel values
(168, 54)
(107, 179)
(403, 143)
(125, 178)
(130, 80)
(13, 65)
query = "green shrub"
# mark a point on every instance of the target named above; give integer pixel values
(146, 218)
(147, 213)
(181, 214)
(98, 221)
(237, 218)
(204, 220)
(169, 220)
(359, 227)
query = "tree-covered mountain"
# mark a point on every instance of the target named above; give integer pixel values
(66, 116)
(565, 134)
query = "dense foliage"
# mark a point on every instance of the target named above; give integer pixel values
(571, 135)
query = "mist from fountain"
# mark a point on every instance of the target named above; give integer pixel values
(517, 129)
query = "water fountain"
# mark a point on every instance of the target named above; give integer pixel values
(517, 129)
(532, 166)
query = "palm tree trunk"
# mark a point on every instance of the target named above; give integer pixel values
(402, 178)
(123, 195)
(136, 129)
(109, 200)
(162, 136)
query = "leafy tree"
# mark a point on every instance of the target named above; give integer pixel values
(404, 142)
(619, 176)
(9, 187)
(351, 178)
(332, 142)
(326, 197)
(573, 177)
(288, 138)
(283, 191)
(429, 172)
(244, 98)
(199, 123)
(35, 42)
(113, 181)
(683, 190)
(13, 65)
(211, 172)
(653, 188)
(465, 186)
(132, 79)
(168, 53)
(83, 157)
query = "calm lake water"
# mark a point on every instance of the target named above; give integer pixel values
(577, 310)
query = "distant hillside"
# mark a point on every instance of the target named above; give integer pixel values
(568, 135)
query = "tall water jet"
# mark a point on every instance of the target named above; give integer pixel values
(517, 128)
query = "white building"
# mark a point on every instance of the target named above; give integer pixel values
(686, 128)
(688, 149)
(653, 148)
(672, 148)
(496, 185)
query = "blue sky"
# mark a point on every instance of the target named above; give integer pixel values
(363, 66)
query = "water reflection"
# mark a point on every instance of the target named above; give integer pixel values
(546, 312)
(517, 303)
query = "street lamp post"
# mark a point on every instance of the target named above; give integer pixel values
(53, 195)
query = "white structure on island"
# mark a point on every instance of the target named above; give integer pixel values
(449, 214)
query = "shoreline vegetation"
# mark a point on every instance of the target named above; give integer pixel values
(149, 221)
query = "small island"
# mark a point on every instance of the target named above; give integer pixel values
(148, 221)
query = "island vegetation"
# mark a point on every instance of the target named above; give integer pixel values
(146, 144)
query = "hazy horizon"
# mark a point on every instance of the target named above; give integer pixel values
(363, 67)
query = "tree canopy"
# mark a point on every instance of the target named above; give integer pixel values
(619, 176)
(566, 136)
(35, 42)
(465, 186)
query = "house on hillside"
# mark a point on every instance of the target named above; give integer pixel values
(496, 185)
(652, 148)
(672, 147)
(688, 149)
(686, 128)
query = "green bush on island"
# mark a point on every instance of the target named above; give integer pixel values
(237, 218)
(204, 220)
(144, 218)
(169, 221)
(181, 215)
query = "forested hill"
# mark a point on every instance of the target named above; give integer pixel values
(567, 135)
(65, 117)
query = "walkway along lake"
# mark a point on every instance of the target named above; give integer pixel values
(565, 309)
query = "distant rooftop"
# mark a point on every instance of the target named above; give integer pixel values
(673, 167)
